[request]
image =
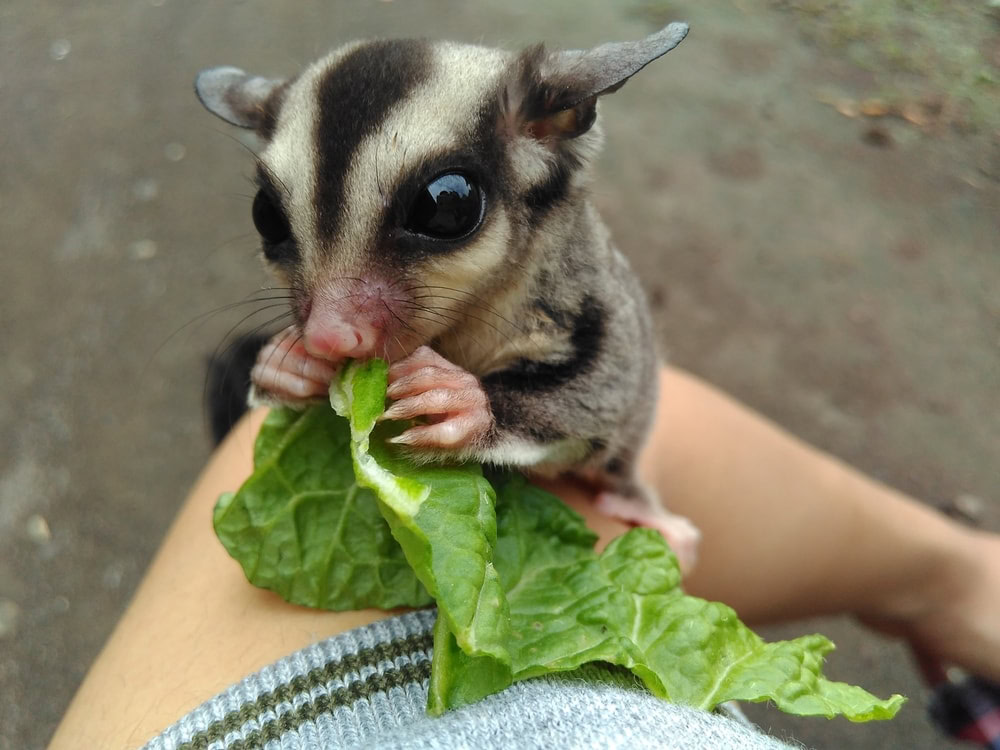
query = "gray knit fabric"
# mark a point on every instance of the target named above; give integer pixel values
(368, 688)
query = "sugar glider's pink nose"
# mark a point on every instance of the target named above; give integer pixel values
(330, 337)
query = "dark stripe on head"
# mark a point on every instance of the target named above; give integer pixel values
(554, 189)
(587, 338)
(487, 141)
(355, 97)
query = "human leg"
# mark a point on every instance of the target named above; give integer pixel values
(789, 531)
(193, 627)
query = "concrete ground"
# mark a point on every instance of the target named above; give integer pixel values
(836, 271)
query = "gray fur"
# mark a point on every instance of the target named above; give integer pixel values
(538, 303)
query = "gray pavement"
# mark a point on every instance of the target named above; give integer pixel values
(840, 274)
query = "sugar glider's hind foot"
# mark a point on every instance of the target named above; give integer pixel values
(682, 535)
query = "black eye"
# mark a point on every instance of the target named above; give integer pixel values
(269, 219)
(449, 207)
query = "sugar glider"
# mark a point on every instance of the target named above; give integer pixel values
(427, 202)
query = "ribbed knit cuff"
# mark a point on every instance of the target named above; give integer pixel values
(350, 686)
(368, 688)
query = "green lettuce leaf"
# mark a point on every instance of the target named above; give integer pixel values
(554, 604)
(444, 518)
(520, 589)
(303, 527)
(570, 606)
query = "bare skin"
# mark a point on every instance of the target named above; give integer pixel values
(771, 509)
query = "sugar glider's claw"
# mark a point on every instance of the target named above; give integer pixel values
(426, 385)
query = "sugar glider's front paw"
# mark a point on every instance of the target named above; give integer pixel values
(451, 402)
(286, 374)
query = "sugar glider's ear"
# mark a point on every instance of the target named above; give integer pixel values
(240, 99)
(555, 94)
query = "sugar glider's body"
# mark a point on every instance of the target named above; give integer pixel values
(427, 203)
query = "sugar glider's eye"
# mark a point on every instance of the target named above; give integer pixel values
(448, 207)
(269, 219)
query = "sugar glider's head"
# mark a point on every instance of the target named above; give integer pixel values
(400, 181)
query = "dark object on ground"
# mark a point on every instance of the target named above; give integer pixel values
(968, 710)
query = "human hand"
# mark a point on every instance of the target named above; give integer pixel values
(956, 618)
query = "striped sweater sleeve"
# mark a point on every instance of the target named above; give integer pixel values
(368, 688)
